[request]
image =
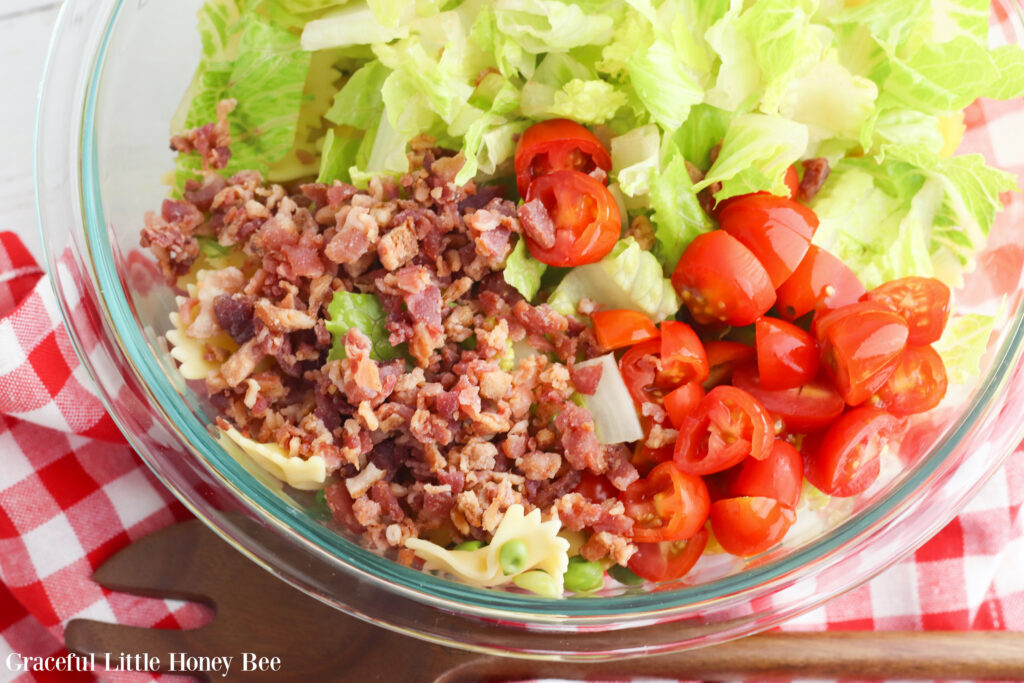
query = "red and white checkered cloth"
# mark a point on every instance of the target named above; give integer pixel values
(72, 492)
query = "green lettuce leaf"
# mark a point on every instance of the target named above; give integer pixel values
(705, 128)
(963, 344)
(1009, 61)
(258, 64)
(678, 216)
(363, 312)
(628, 277)
(756, 153)
(359, 102)
(664, 85)
(541, 26)
(338, 156)
(635, 157)
(940, 78)
(354, 23)
(522, 271)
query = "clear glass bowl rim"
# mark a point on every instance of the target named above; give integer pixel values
(423, 587)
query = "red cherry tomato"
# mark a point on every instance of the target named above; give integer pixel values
(917, 385)
(728, 425)
(681, 402)
(779, 476)
(683, 358)
(646, 459)
(723, 357)
(787, 357)
(618, 328)
(922, 301)
(803, 409)
(666, 505)
(596, 487)
(555, 145)
(777, 230)
(639, 368)
(668, 560)
(821, 282)
(748, 525)
(793, 182)
(860, 346)
(844, 460)
(586, 219)
(719, 279)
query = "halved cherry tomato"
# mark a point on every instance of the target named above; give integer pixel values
(787, 356)
(750, 525)
(622, 327)
(803, 409)
(555, 145)
(917, 385)
(586, 219)
(723, 357)
(860, 346)
(683, 358)
(639, 368)
(719, 279)
(668, 560)
(793, 182)
(646, 459)
(596, 487)
(728, 425)
(666, 505)
(779, 476)
(777, 230)
(681, 402)
(821, 282)
(922, 301)
(844, 460)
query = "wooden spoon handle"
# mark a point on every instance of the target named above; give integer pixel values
(837, 654)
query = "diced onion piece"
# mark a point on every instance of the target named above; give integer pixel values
(615, 418)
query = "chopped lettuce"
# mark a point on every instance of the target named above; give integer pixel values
(678, 216)
(635, 158)
(962, 345)
(664, 85)
(628, 277)
(338, 156)
(541, 26)
(359, 103)
(260, 65)
(522, 271)
(756, 153)
(365, 313)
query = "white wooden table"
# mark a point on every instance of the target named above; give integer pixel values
(25, 27)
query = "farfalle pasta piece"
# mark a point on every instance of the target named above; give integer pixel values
(545, 551)
(307, 475)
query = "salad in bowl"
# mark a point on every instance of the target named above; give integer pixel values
(544, 295)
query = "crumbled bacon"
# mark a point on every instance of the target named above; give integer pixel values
(444, 437)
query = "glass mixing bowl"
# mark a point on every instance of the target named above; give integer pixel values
(115, 74)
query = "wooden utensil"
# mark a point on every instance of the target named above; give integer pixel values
(257, 613)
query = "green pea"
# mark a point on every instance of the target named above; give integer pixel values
(512, 556)
(624, 575)
(469, 343)
(320, 507)
(538, 582)
(583, 576)
(469, 545)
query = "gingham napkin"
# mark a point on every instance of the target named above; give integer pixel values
(72, 493)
